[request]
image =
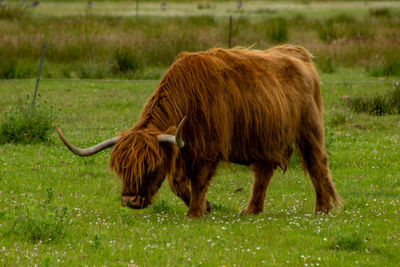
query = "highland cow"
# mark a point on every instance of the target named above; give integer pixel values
(236, 105)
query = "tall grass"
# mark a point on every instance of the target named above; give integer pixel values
(104, 46)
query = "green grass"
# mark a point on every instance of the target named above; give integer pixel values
(60, 209)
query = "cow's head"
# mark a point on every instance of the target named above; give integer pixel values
(142, 158)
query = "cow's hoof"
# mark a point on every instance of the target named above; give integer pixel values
(192, 215)
(322, 209)
(248, 211)
(244, 212)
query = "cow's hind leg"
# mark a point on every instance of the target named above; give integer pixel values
(315, 161)
(262, 176)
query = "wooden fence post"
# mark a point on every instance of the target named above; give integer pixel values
(38, 76)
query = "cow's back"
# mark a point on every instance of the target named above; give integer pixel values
(242, 105)
(268, 93)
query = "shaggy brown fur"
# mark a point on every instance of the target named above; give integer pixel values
(243, 106)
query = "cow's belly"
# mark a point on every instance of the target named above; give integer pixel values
(248, 155)
(241, 161)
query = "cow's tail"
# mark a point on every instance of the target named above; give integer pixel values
(317, 95)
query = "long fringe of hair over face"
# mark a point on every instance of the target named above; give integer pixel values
(138, 153)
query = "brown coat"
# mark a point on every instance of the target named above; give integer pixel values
(243, 106)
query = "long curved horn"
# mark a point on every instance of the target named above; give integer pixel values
(174, 139)
(84, 152)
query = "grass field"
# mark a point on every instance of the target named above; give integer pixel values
(59, 209)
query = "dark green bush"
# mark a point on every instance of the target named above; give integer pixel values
(126, 61)
(14, 12)
(380, 12)
(276, 29)
(378, 104)
(40, 224)
(27, 124)
(8, 69)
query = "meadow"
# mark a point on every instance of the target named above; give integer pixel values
(59, 209)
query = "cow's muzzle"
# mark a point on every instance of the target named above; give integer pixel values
(134, 202)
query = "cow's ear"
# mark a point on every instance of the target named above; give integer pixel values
(179, 139)
(174, 139)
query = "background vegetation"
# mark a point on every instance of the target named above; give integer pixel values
(96, 44)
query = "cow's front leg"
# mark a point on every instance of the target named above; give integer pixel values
(180, 185)
(262, 176)
(200, 179)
